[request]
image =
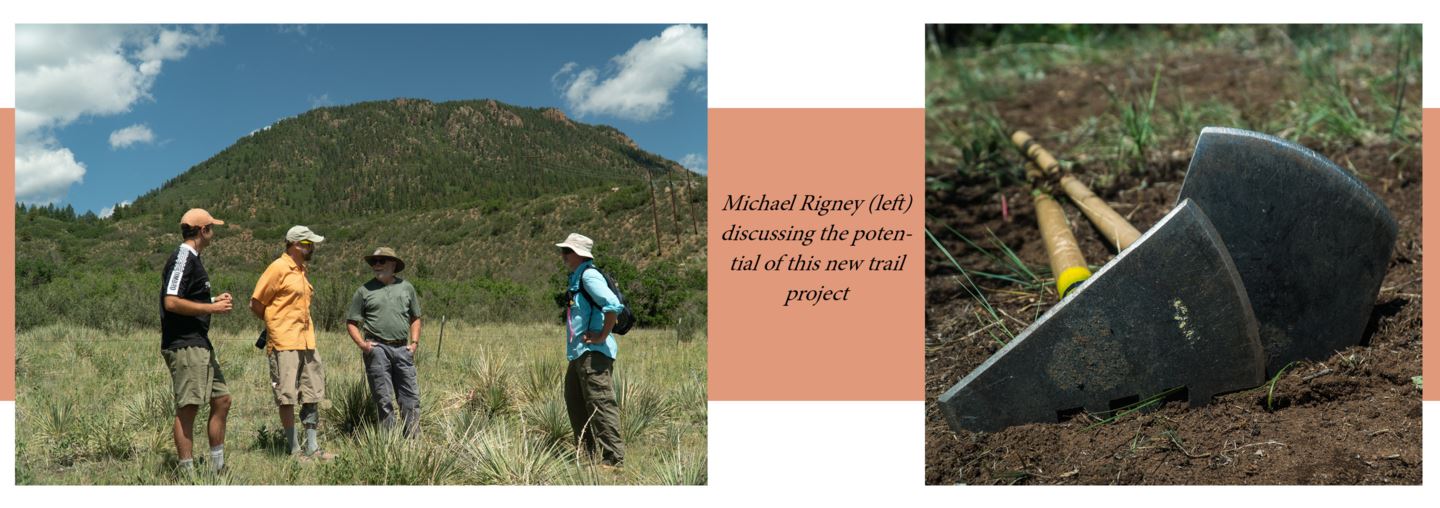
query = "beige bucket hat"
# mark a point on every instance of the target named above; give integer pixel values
(579, 243)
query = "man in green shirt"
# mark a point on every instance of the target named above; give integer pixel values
(384, 322)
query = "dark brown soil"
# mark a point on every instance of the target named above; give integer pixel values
(1353, 418)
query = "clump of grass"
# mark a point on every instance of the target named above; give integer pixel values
(543, 377)
(1137, 123)
(505, 458)
(679, 468)
(1019, 272)
(351, 407)
(491, 387)
(384, 457)
(271, 440)
(151, 408)
(75, 435)
(642, 407)
(974, 290)
(549, 419)
(692, 394)
(974, 142)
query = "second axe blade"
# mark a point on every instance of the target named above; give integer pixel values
(1311, 242)
(1169, 311)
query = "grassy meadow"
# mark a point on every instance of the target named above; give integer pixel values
(94, 407)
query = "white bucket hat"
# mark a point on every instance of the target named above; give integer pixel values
(579, 243)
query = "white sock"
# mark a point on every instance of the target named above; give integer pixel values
(217, 457)
(187, 465)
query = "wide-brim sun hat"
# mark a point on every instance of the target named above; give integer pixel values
(388, 253)
(579, 243)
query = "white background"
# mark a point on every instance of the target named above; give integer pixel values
(762, 54)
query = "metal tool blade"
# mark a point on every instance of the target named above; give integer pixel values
(1169, 311)
(1311, 242)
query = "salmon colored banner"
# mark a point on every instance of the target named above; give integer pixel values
(853, 327)
(1430, 145)
(7, 245)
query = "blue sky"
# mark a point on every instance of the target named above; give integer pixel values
(106, 113)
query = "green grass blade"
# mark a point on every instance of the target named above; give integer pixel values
(972, 288)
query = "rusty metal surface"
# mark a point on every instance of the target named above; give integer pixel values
(1169, 311)
(1311, 242)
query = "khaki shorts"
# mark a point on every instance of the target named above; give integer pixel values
(297, 377)
(195, 377)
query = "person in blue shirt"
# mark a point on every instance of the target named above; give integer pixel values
(591, 348)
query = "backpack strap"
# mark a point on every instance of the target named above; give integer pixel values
(586, 293)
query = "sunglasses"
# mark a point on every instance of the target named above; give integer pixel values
(306, 243)
(378, 261)
(565, 250)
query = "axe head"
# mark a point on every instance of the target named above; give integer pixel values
(1169, 311)
(1311, 242)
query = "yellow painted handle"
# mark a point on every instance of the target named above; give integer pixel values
(1066, 261)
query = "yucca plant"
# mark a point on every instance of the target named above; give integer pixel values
(550, 420)
(351, 407)
(641, 407)
(508, 458)
(384, 457)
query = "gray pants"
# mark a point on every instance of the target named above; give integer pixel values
(391, 372)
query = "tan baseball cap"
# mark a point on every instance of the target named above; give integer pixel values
(579, 243)
(386, 252)
(199, 218)
(299, 233)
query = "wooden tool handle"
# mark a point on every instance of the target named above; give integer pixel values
(1112, 226)
(1033, 174)
(1066, 261)
(1035, 152)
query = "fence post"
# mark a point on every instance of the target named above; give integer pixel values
(441, 345)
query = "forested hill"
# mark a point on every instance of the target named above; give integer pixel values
(472, 193)
(404, 154)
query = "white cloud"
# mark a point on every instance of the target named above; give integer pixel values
(639, 85)
(44, 171)
(321, 101)
(695, 162)
(65, 72)
(138, 133)
(106, 212)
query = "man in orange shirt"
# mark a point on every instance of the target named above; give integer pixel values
(282, 300)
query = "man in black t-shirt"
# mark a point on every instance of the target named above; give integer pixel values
(185, 309)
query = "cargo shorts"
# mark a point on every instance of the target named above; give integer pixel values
(297, 377)
(195, 376)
